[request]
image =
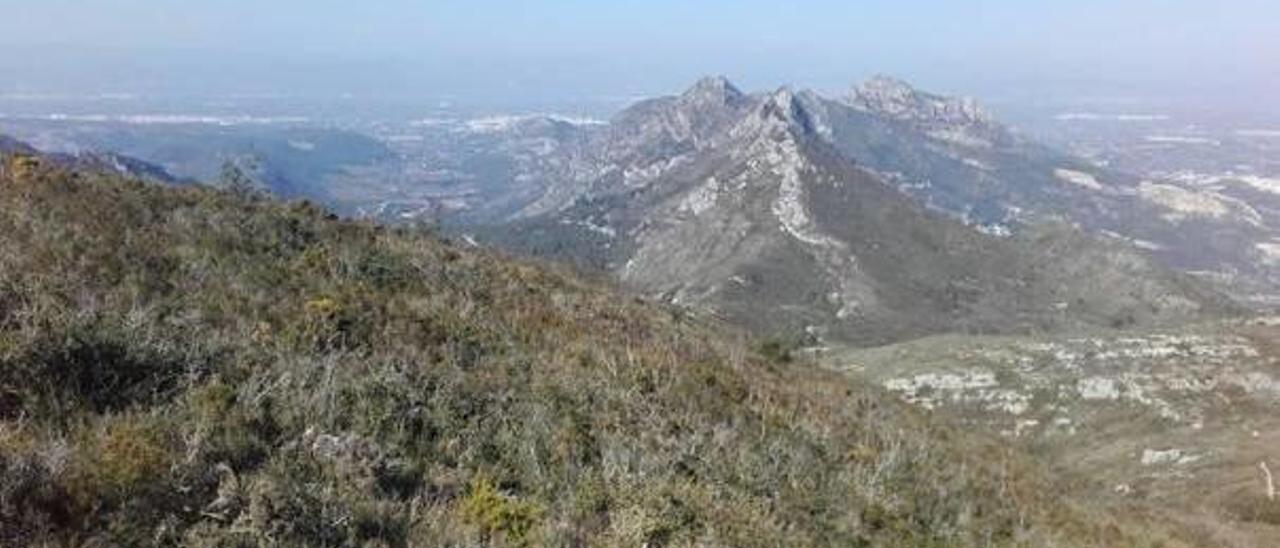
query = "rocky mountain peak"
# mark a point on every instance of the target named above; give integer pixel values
(774, 116)
(785, 106)
(897, 99)
(667, 126)
(714, 90)
(886, 87)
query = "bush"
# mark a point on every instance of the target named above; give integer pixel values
(95, 366)
(777, 350)
(510, 519)
(1253, 507)
(124, 456)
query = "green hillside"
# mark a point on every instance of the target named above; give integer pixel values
(180, 366)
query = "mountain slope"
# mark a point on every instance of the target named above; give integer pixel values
(747, 205)
(190, 367)
(292, 160)
(9, 145)
(1184, 418)
(954, 156)
(101, 162)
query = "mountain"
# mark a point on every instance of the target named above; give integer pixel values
(100, 162)
(191, 367)
(9, 145)
(960, 120)
(290, 160)
(954, 156)
(766, 209)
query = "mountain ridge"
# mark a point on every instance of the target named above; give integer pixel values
(92, 161)
(706, 193)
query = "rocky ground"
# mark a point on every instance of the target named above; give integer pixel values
(1185, 419)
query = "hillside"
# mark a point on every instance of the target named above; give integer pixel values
(182, 366)
(102, 162)
(291, 159)
(1184, 419)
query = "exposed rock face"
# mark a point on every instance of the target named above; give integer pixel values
(948, 118)
(1171, 376)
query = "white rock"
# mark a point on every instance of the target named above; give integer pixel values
(702, 198)
(1154, 457)
(1078, 178)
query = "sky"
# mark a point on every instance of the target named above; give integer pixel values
(514, 50)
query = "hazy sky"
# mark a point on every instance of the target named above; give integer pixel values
(627, 47)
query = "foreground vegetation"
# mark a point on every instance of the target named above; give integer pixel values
(193, 367)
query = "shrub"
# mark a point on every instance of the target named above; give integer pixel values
(497, 514)
(1253, 507)
(22, 166)
(777, 350)
(94, 366)
(125, 455)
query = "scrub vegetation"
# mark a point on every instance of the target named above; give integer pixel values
(187, 366)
